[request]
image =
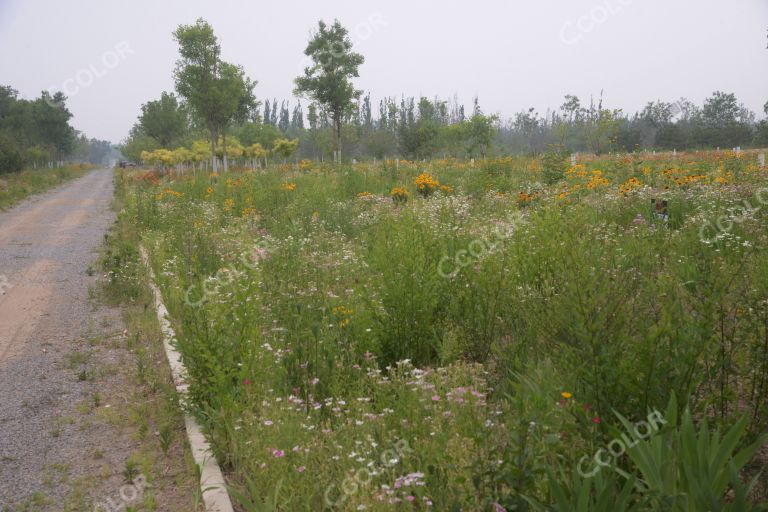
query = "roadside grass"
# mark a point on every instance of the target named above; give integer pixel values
(151, 410)
(17, 186)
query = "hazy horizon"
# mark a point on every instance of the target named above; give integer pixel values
(116, 56)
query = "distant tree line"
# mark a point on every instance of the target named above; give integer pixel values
(428, 128)
(720, 122)
(37, 133)
(215, 101)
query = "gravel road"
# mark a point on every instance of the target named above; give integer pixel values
(50, 368)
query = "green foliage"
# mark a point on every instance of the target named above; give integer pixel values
(686, 470)
(606, 492)
(19, 185)
(554, 164)
(136, 144)
(217, 92)
(163, 120)
(11, 159)
(284, 148)
(33, 125)
(257, 133)
(327, 81)
(251, 500)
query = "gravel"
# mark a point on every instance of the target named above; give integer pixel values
(50, 362)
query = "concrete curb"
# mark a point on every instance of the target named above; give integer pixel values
(212, 485)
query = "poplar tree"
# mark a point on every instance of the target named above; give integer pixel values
(327, 80)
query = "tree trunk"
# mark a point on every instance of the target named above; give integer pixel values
(337, 137)
(213, 151)
(224, 149)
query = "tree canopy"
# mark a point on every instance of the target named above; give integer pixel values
(328, 80)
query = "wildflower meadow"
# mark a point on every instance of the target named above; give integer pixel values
(502, 334)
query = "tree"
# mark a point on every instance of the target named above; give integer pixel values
(233, 93)
(285, 119)
(327, 80)
(163, 120)
(195, 75)
(720, 109)
(255, 152)
(137, 143)
(297, 118)
(600, 125)
(479, 135)
(199, 151)
(50, 118)
(11, 159)
(724, 121)
(217, 91)
(285, 148)
(380, 143)
(264, 134)
(654, 117)
(528, 124)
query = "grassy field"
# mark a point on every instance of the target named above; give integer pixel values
(509, 334)
(17, 186)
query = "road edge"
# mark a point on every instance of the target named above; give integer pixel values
(212, 485)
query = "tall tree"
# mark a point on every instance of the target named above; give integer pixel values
(273, 115)
(195, 75)
(297, 118)
(328, 80)
(285, 119)
(217, 91)
(266, 112)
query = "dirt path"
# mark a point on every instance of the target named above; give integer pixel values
(61, 356)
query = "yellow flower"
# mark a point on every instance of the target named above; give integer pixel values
(399, 194)
(426, 184)
(364, 194)
(596, 181)
(629, 185)
(168, 192)
(250, 211)
(341, 311)
(566, 395)
(290, 187)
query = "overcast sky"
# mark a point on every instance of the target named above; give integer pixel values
(111, 56)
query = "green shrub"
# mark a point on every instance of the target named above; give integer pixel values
(11, 159)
